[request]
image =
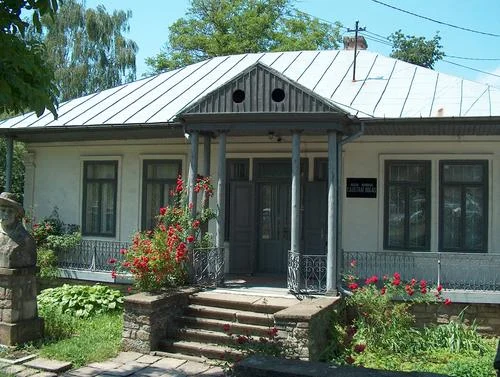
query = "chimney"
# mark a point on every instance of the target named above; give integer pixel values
(349, 43)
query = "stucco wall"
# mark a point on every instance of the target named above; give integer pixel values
(57, 175)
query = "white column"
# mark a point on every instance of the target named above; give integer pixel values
(206, 155)
(295, 220)
(331, 263)
(193, 170)
(221, 191)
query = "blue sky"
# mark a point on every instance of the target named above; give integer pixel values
(151, 18)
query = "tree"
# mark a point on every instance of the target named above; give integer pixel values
(416, 50)
(26, 80)
(222, 27)
(87, 49)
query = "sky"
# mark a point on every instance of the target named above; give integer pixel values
(151, 19)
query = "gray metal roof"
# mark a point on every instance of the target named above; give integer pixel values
(384, 88)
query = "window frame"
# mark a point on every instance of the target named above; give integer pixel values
(85, 182)
(485, 189)
(427, 164)
(146, 180)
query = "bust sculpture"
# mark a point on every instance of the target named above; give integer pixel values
(17, 246)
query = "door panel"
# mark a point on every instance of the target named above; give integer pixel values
(274, 226)
(242, 228)
(315, 215)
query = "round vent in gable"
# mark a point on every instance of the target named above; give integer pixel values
(278, 95)
(238, 96)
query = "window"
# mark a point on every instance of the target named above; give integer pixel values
(159, 178)
(237, 169)
(99, 198)
(463, 205)
(407, 205)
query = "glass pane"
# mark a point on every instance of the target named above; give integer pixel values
(101, 171)
(474, 218)
(275, 169)
(417, 218)
(108, 208)
(396, 222)
(92, 208)
(406, 172)
(162, 170)
(452, 214)
(463, 173)
(268, 205)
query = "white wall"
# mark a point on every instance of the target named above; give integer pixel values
(57, 175)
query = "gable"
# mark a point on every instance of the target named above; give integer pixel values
(261, 89)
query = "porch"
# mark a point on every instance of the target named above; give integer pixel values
(478, 272)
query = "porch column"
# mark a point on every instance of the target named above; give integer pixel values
(193, 170)
(295, 220)
(221, 191)
(331, 265)
(9, 141)
(206, 154)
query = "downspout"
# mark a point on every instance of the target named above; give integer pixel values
(340, 254)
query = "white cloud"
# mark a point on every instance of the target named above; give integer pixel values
(489, 79)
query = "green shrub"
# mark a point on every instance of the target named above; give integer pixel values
(82, 301)
(46, 261)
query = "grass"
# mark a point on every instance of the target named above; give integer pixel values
(94, 339)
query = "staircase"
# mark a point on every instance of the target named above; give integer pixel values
(212, 322)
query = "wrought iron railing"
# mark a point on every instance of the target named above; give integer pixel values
(95, 256)
(208, 266)
(306, 273)
(92, 255)
(467, 271)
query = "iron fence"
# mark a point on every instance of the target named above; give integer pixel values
(92, 255)
(306, 273)
(465, 271)
(208, 266)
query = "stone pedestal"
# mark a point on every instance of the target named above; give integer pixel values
(19, 321)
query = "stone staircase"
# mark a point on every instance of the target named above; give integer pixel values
(209, 319)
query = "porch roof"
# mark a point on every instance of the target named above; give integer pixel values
(384, 92)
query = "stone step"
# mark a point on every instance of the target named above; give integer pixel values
(209, 351)
(205, 336)
(218, 326)
(230, 315)
(256, 304)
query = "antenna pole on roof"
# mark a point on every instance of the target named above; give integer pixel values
(356, 29)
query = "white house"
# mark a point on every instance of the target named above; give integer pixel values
(397, 167)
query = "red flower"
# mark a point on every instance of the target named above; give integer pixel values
(382, 291)
(353, 263)
(191, 205)
(372, 280)
(272, 332)
(397, 276)
(409, 290)
(447, 301)
(396, 282)
(226, 327)
(113, 274)
(241, 339)
(439, 288)
(349, 360)
(190, 238)
(163, 211)
(111, 260)
(423, 290)
(123, 251)
(359, 348)
(413, 282)
(353, 286)
(196, 224)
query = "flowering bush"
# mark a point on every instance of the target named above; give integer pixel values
(158, 257)
(381, 311)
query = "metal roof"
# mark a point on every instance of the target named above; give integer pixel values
(384, 88)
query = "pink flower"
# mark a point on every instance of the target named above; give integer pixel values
(353, 263)
(123, 251)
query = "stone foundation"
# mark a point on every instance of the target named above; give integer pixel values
(308, 326)
(487, 316)
(19, 321)
(148, 318)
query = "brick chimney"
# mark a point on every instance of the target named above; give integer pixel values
(349, 43)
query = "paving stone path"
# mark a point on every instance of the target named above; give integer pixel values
(125, 364)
